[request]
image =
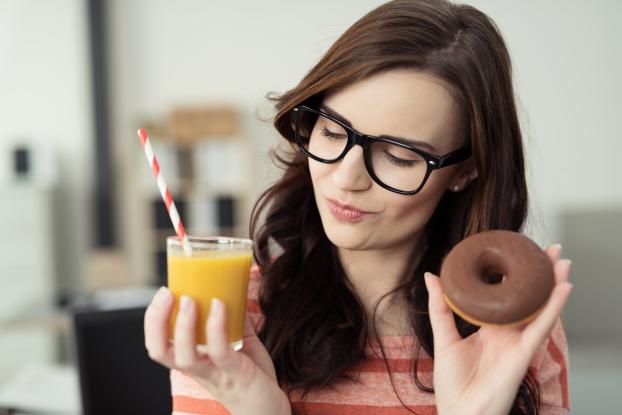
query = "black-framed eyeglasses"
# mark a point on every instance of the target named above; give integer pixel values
(393, 164)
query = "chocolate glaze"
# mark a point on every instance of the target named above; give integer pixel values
(527, 282)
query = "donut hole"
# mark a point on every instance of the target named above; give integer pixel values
(493, 276)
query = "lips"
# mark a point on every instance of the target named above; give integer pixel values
(345, 207)
(346, 213)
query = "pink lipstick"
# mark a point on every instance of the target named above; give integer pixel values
(345, 212)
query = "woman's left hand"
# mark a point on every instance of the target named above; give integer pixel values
(481, 374)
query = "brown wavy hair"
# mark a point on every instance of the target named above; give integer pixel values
(315, 327)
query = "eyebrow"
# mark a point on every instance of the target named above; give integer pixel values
(407, 141)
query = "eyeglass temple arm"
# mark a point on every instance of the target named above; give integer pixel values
(454, 157)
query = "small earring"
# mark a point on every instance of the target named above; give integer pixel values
(456, 188)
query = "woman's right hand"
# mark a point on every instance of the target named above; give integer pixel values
(244, 382)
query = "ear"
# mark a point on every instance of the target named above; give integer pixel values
(464, 176)
(470, 169)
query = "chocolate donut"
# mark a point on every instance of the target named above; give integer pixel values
(497, 278)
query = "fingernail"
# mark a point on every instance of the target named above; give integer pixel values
(162, 296)
(558, 246)
(216, 308)
(185, 303)
(568, 261)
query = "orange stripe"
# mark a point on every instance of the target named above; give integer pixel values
(198, 406)
(155, 166)
(182, 231)
(142, 133)
(317, 408)
(558, 356)
(189, 405)
(168, 199)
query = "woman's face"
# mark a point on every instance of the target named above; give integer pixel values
(402, 103)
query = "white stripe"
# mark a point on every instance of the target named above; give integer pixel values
(185, 244)
(174, 216)
(149, 152)
(161, 185)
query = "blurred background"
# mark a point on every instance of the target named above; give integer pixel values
(83, 224)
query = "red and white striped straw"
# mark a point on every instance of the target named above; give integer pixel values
(164, 191)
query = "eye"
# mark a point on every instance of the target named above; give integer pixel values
(327, 133)
(398, 161)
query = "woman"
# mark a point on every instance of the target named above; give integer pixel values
(341, 317)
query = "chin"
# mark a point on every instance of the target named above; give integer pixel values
(344, 237)
(346, 243)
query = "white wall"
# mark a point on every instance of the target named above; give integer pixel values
(567, 59)
(45, 102)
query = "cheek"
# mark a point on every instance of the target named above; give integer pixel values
(317, 170)
(319, 173)
(411, 213)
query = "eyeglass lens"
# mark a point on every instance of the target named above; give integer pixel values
(395, 166)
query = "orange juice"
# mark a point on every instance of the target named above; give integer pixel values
(220, 273)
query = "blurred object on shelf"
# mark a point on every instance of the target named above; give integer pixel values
(226, 207)
(222, 164)
(21, 161)
(185, 125)
(162, 220)
(106, 268)
(201, 214)
(156, 129)
(24, 159)
(190, 124)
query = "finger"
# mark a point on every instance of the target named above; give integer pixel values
(156, 326)
(218, 347)
(561, 270)
(441, 317)
(185, 334)
(539, 329)
(553, 252)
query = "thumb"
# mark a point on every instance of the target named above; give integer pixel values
(249, 330)
(441, 317)
(254, 348)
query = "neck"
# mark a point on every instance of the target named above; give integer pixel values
(373, 274)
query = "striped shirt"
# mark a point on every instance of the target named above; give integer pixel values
(373, 392)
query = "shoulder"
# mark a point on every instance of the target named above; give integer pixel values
(550, 366)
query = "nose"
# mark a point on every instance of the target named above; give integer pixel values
(350, 172)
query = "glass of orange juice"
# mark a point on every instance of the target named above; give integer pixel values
(218, 267)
